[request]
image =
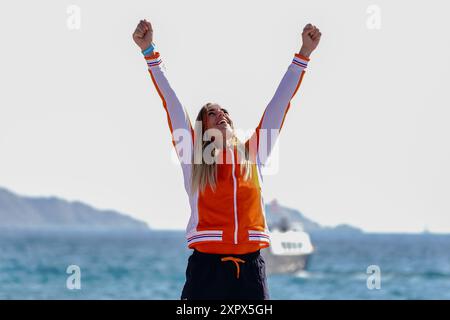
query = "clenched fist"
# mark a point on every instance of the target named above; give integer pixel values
(143, 35)
(311, 38)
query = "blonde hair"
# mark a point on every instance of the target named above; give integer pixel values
(204, 173)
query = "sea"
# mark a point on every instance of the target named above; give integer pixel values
(152, 264)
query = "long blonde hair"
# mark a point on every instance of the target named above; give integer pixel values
(204, 173)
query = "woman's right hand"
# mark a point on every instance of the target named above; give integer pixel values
(143, 35)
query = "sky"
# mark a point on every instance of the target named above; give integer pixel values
(365, 142)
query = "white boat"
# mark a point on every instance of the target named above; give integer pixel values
(288, 251)
(290, 246)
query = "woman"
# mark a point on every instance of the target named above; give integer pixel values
(222, 177)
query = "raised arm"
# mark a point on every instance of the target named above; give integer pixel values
(266, 134)
(177, 117)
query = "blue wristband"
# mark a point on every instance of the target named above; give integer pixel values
(149, 50)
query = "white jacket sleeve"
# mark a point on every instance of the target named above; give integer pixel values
(179, 124)
(266, 134)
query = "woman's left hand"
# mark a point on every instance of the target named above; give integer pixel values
(311, 38)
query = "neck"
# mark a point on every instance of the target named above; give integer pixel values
(226, 143)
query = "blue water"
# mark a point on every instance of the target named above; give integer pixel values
(151, 265)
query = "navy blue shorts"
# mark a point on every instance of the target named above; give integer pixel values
(225, 276)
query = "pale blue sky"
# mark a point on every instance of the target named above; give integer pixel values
(366, 140)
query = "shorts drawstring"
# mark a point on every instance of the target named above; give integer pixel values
(236, 262)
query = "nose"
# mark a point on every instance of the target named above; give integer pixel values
(219, 116)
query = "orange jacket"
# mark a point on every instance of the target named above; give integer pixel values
(231, 219)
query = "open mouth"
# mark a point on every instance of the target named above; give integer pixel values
(222, 122)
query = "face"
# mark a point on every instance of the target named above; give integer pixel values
(218, 118)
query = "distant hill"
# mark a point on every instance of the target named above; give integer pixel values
(278, 215)
(50, 212)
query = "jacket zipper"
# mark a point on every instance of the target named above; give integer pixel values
(234, 200)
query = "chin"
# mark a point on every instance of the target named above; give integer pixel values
(227, 132)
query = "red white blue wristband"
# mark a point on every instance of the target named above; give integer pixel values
(149, 50)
